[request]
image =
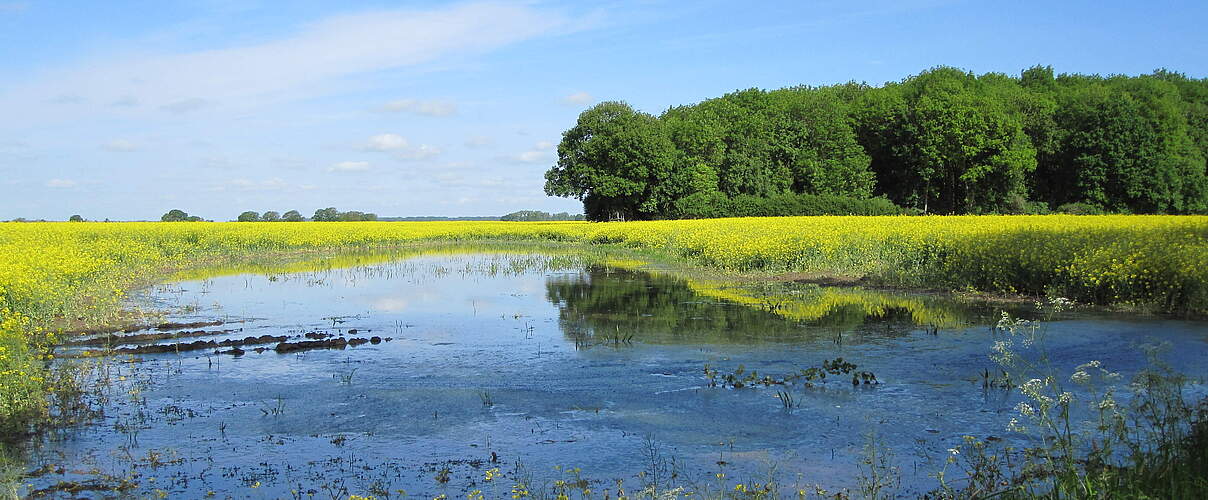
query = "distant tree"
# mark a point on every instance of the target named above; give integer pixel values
(292, 216)
(355, 216)
(328, 214)
(270, 216)
(75, 218)
(249, 216)
(193, 218)
(175, 215)
(526, 215)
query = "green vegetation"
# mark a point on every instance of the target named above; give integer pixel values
(539, 216)
(177, 215)
(274, 216)
(945, 141)
(713, 205)
(330, 214)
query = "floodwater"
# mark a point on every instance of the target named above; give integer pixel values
(525, 362)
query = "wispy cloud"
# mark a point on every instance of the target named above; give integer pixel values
(185, 105)
(400, 147)
(120, 146)
(426, 108)
(125, 102)
(299, 64)
(421, 152)
(60, 183)
(479, 141)
(541, 153)
(529, 157)
(271, 184)
(578, 99)
(385, 142)
(349, 166)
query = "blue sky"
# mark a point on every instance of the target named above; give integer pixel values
(125, 109)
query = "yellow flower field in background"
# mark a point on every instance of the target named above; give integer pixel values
(50, 272)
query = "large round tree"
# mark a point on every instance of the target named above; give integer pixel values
(617, 161)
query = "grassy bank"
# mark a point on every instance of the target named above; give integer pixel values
(56, 274)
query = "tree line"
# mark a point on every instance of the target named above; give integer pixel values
(329, 214)
(538, 215)
(945, 141)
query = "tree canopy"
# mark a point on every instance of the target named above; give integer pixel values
(944, 141)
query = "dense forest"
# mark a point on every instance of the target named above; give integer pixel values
(943, 142)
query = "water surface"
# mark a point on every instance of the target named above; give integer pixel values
(525, 362)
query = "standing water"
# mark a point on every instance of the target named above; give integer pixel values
(416, 377)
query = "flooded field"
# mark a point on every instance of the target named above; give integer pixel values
(415, 378)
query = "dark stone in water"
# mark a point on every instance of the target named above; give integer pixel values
(357, 341)
(201, 344)
(375, 340)
(162, 348)
(336, 343)
(352, 331)
(263, 339)
(317, 335)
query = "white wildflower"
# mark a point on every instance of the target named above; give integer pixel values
(1032, 388)
(1014, 425)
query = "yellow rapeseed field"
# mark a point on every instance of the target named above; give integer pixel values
(55, 271)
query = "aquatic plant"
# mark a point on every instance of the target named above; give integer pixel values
(277, 409)
(808, 377)
(1154, 445)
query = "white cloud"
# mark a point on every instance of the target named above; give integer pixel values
(530, 157)
(421, 152)
(543, 145)
(426, 108)
(120, 146)
(349, 166)
(402, 149)
(386, 142)
(578, 99)
(60, 183)
(304, 63)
